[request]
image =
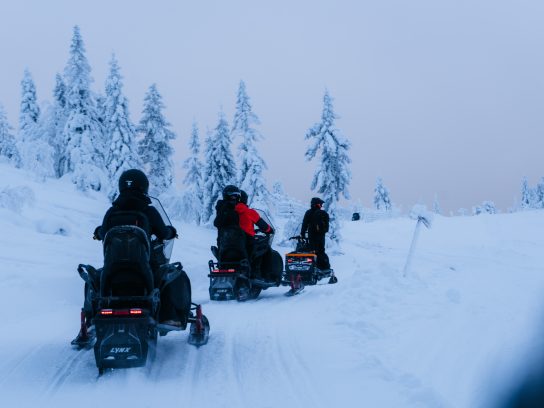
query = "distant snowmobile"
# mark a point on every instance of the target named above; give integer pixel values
(300, 269)
(234, 275)
(121, 313)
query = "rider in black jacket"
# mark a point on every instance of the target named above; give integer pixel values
(316, 224)
(133, 207)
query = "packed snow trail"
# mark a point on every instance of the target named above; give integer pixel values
(453, 332)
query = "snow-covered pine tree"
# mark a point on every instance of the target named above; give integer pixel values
(250, 174)
(8, 146)
(83, 138)
(36, 153)
(154, 148)
(220, 167)
(194, 194)
(56, 139)
(436, 205)
(382, 200)
(121, 149)
(332, 176)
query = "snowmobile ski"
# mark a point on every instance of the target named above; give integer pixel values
(200, 328)
(295, 291)
(86, 337)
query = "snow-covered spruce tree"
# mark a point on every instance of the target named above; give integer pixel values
(154, 148)
(8, 146)
(527, 195)
(250, 172)
(382, 200)
(539, 193)
(436, 205)
(30, 111)
(56, 139)
(36, 153)
(121, 150)
(194, 194)
(332, 175)
(83, 138)
(220, 168)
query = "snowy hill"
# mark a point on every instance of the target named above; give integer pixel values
(450, 334)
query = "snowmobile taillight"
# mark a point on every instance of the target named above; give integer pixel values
(121, 312)
(223, 270)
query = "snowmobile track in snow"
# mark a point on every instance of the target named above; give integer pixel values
(64, 371)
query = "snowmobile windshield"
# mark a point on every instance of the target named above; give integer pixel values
(266, 218)
(168, 243)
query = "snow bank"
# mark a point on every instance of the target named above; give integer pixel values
(460, 327)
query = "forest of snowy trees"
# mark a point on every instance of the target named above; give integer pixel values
(88, 137)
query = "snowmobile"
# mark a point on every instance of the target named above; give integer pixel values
(301, 269)
(121, 312)
(238, 276)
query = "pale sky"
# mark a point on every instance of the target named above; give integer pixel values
(436, 97)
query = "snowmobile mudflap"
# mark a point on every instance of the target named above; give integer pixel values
(123, 337)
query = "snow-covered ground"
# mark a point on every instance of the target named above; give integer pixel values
(457, 330)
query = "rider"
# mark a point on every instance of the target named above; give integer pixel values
(133, 202)
(316, 223)
(248, 218)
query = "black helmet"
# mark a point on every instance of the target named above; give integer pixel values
(231, 192)
(243, 197)
(133, 180)
(316, 200)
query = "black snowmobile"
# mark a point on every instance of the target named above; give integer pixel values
(121, 311)
(238, 276)
(301, 269)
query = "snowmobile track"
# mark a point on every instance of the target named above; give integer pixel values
(63, 372)
(297, 375)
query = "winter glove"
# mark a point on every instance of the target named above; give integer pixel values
(173, 232)
(96, 232)
(270, 231)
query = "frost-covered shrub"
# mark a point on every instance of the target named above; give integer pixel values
(15, 198)
(53, 226)
(487, 207)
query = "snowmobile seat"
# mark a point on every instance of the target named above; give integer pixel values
(127, 270)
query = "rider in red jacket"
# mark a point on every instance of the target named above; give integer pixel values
(248, 217)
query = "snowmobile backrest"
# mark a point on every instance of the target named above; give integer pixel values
(121, 217)
(303, 245)
(127, 269)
